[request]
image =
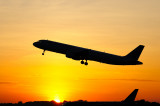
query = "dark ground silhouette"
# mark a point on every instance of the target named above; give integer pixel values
(81, 103)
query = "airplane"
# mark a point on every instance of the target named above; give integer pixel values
(129, 101)
(80, 53)
(131, 97)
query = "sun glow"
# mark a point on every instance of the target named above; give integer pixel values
(57, 100)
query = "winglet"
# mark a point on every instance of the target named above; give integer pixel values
(131, 97)
(135, 53)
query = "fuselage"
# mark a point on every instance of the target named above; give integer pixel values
(78, 53)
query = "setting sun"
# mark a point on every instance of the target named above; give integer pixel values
(57, 100)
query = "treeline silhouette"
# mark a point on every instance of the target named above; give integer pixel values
(35, 103)
(81, 103)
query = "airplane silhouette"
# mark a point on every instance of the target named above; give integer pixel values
(129, 101)
(131, 97)
(80, 53)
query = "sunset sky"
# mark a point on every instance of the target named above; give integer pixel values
(113, 26)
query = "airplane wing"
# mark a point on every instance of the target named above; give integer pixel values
(79, 54)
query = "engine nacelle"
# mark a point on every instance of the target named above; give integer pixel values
(73, 56)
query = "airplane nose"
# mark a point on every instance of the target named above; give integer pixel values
(35, 43)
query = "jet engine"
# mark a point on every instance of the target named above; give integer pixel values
(74, 56)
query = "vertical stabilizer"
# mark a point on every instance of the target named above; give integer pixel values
(135, 53)
(131, 97)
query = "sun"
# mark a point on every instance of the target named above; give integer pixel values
(57, 100)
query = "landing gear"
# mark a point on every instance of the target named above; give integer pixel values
(83, 56)
(43, 52)
(82, 62)
(85, 63)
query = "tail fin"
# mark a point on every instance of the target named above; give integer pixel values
(131, 97)
(136, 52)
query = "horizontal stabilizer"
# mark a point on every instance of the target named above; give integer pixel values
(135, 53)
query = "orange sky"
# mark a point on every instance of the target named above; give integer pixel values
(113, 26)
